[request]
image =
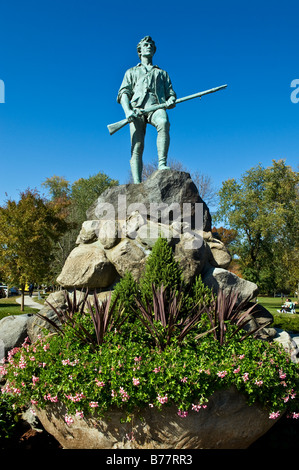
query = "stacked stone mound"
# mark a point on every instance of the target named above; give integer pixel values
(124, 223)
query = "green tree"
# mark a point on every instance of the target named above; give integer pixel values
(74, 199)
(263, 209)
(28, 230)
(85, 191)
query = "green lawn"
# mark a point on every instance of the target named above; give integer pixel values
(285, 321)
(9, 306)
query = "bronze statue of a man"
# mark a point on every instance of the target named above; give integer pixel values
(145, 85)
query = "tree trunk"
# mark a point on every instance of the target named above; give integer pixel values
(23, 299)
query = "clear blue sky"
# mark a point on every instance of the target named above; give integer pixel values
(62, 63)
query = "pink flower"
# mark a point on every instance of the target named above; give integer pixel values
(100, 383)
(235, 371)
(80, 414)
(157, 369)
(183, 414)
(196, 407)
(184, 379)
(241, 356)
(68, 419)
(124, 394)
(50, 398)
(259, 383)
(222, 373)
(137, 359)
(274, 415)
(130, 436)
(76, 398)
(136, 381)
(245, 376)
(35, 379)
(162, 400)
(93, 404)
(282, 375)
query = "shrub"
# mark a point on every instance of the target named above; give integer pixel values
(161, 268)
(8, 416)
(126, 291)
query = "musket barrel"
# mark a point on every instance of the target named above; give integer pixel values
(118, 125)
(201, 93)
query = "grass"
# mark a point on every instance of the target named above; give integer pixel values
(9, 306)
(284, 321)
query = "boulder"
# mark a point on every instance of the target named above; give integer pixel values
(219, 278)
(167, 191)
(228, 422)
(288, 343)
(191, 254)
(87, 266)
(37, 326)
(89, 232)
(127, 256)
(13, 331)
(218, 254)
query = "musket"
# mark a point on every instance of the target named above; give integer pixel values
(118, 125)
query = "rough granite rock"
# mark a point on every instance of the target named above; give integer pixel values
(13, 331)
(219, 278)
(228, 422)
(87, 266)
(162, 189)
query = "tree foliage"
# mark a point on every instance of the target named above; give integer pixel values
(29, 229)
(76, 198)
(263, 209)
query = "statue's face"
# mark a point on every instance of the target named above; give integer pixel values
(147, 49)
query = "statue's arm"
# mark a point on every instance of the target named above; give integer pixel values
(169, 92)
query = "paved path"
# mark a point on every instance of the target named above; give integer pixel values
(28, 302)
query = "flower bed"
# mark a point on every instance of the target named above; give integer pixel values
(150, 358)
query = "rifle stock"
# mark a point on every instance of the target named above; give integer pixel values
(112, 128)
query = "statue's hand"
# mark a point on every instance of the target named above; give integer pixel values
(133, 114)
(170, 103)
(130, 116)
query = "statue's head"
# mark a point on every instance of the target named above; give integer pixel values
(144, 40)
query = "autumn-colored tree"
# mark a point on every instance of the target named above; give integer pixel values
(29, 229)
(226, 235)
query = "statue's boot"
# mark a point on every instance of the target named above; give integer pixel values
(162, 164)
(136, 169)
